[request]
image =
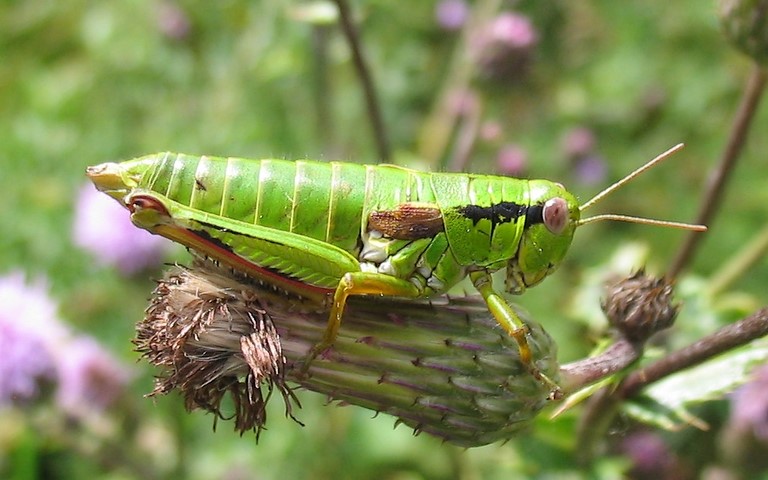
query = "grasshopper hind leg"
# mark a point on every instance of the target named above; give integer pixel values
(357, 283)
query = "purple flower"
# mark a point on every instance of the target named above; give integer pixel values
(578, 147)
(104, 229)
(503, 48)
(36, 347)
(590, 170)
(173, 22)
(90, 378)
(27, 317)
(578, 142)
(651, 457)
(451, 14)
(749, 406)
(513, 30)
(511, 160)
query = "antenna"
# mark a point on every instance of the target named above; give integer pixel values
(643, 220)
(630, 219)
(631, 176)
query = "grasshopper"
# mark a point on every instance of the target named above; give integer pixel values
(328, 230)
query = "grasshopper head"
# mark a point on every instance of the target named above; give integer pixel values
(552, 217)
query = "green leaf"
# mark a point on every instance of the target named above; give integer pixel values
(665, 403)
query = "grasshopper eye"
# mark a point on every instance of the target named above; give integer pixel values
(555, 215)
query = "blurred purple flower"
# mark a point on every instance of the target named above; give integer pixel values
(24, 366)
(451, 14)
(27, 316)
(749, 406)
(578, 142)
(173, 22)
(590, 170)
(651, 457)
(103, 228)
(37, 347)
(511, 160)
(491, 130)
(504, 47)
(578, 146)
(513, 30)
(90, 378)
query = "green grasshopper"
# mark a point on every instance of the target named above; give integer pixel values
(330, 230)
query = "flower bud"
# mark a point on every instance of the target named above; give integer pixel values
(745, 24)
(640, 305)
(442, 367)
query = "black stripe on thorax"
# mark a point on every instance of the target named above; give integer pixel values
(503, 212)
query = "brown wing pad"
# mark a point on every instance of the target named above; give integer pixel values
(409, 221)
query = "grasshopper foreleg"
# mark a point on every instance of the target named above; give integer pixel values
(512, 323)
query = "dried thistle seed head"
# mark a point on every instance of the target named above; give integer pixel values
(640, 305)
(444, 368)
(209, 350)
(745, 24)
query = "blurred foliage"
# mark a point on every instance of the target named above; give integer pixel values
(86, 82)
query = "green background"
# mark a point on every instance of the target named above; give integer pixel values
(87, 82)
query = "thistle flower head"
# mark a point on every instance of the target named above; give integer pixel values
(451, 14)
(503, 49)
(444, 368)
(38, 349)
(745, 24)
(104, 229)
(749, 406)
(213, 339)
(90, 378)
(27, 316)
(640, 305)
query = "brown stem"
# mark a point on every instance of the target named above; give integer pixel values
(728, 337)
(371, 100)
(602, 406)
(615, 358)
(712, 198)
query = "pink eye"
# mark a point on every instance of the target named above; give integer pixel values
(555, 215)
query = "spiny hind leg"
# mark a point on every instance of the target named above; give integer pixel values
(512, 323)
(357, 283)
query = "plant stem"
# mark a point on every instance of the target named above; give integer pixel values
(621, 354)
(712, 198)
(366, 80)
(603, 406)
(727, 338)
(439, 126)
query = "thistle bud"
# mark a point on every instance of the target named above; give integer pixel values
(640, 305)
(441, 367)
(745, 24)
